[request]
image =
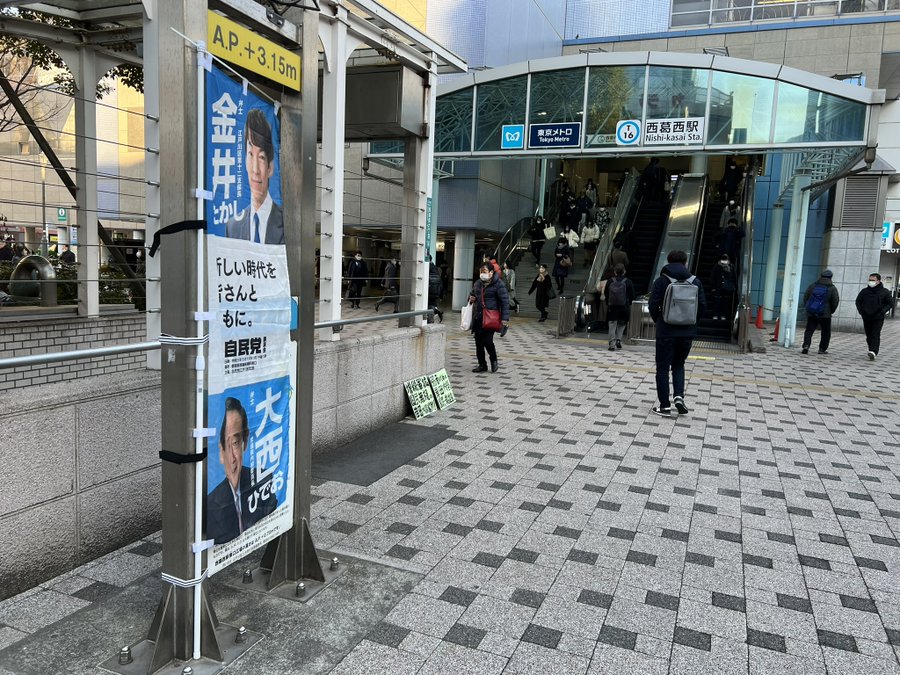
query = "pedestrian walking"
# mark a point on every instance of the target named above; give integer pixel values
(821, 300)
(538, 238)
(509, 279)
(676, 299)
(619, 294)
(490, 315)
(562, 262)
(542, 287)
(873, 303)
(435, 288)
(391, 285)
(723, 283)
(357, 274)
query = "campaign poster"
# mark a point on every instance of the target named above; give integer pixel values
(243, 171)
(251, 362)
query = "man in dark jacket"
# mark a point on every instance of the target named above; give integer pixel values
(820, 301)
(673, 342)
(357, 273)
(873, 303)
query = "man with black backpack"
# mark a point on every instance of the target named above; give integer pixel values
(619, 294)
(676, 299)
(820, 301)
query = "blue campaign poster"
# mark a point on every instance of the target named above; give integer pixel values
(243, 173)
(249, 457)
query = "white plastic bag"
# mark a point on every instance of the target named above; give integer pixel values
(465, 317)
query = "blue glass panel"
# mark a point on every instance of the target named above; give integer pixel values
(614, 94)
(740, 109)
(676, 92)
(557, 96)
(453, 122)
(498, 103)
(804, 115)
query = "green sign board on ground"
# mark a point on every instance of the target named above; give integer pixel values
(443, 390)
(420, 397)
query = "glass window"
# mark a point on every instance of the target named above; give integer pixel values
(614, 94)
(498, 103)
(386, 148)
(740, 109)
(453, 122)
(557, 96)
(676, 92)
(804, 115)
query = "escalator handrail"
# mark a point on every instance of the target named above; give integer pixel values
(698, 246)
(512, 238)
(628, 205)
(675, 204)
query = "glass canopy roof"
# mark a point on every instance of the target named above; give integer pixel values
(647, 102)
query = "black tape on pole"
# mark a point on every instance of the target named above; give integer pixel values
(178, 458)
(173, 228)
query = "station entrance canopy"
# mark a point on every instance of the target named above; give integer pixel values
(615, 104)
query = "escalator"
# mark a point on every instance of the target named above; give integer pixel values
(642, 243)
(683, 226)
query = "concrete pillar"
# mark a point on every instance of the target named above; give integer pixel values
(542, 186)
(793, 264)
(772, 260)
(463, 265)
(334, 96)
(151, 174)
(699, 163)
(86, 76)
(417, 172)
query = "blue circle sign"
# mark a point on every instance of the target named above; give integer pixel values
(628, 132)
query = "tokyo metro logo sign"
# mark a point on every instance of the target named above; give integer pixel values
(512, 137)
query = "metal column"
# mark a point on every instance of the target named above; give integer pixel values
(334, 96)
(793, 264)
(86, 77)
(773, 259)
(463, 265)
(151, 173)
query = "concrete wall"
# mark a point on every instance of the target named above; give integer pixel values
(852, 255)
(22, 337)
(81, 459)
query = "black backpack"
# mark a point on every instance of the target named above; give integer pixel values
(618, 292)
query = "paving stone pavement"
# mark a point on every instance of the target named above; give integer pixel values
(565, 529)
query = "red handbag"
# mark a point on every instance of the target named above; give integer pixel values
(490, 318)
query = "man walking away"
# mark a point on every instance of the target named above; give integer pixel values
(676, 299)
(619, 294)
(873, 303)
(820, 301)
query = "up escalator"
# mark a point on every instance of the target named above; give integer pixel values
(643, 243)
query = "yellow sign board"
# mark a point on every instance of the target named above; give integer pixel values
(238, 45)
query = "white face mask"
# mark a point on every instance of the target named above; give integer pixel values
(484, 276)
(723, 263)
(359, 257)
(873, 284)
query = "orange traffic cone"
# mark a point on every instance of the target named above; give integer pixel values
(759, 317)
(777, 328)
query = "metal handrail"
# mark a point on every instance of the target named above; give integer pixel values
(509, 242)
(95, 352)
(616, 227)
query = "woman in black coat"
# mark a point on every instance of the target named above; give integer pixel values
(489, 292)
(560, 271)
(723, 282)
(544, 288)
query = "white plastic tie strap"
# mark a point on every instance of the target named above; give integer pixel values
(205, 432)
(184, 583)
(204, 316)
(206, 195)
(166, 339)
(204, 59)
(200, 546)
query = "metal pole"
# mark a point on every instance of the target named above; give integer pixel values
(45, 239)
(773, 257)
(793, 266)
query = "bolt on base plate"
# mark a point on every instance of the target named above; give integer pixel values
(288, 589)
(143, 651)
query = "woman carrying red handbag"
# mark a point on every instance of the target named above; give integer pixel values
(490, 315)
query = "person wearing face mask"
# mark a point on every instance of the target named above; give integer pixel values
(391, 285)
(724, 284)
(489, 292)
(873, 303)
(562, 262)
(543, 287)
(731, 212)
(357, 273)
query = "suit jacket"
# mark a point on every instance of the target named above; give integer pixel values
(221, 516)
(239, 228)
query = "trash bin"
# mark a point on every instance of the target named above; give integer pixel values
(566, 322)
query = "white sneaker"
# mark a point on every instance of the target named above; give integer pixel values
(871, 356)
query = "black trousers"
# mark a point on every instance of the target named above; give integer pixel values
(873, 327)
(484, 341)
(671, 353)
(813, 322)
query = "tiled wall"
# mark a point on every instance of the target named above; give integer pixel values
(23, 338)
